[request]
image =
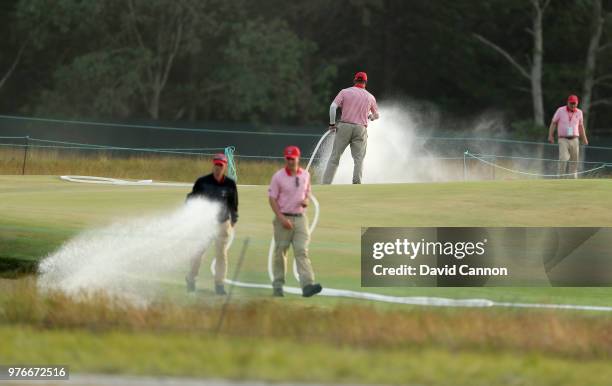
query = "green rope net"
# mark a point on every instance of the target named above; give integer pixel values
(231, 166)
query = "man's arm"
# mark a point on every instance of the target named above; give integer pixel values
(337, 102)
(306, 200)
(234, 206)
(373, 111)
(273, 194)
(332, 113)
(554, 123)
(582, 132)
(551, 131)
(194, 190)
(274, 205)
(332, 116)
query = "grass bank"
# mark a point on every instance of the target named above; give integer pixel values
(279, 341)
(561, 334)
(195, 355)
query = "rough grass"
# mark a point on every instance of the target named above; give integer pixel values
(185, 168)
(568, 335)
(276, 341)
(277, 360)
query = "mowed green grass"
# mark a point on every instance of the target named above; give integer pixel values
(39, 213)
(319, 339)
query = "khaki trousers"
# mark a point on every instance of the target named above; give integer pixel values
(299, 236)
(347, 134)
(221, 247)
(568, 151)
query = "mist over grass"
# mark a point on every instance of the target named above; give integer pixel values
(402, 145)
(114, 259)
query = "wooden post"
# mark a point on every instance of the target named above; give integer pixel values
(25, 154)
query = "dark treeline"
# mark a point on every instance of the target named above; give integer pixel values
(278, 61)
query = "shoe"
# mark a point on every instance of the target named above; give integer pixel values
(191, 285)
(311, 289)
(220, 289)
(278, 292)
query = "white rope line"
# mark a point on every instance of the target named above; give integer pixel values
(534, 174)
(116, 181)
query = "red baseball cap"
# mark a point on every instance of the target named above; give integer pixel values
(220, 159)
(292, 152)
(361, 76)
(572, 99)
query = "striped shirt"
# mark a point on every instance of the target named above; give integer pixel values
(356, 103)
(567, 122)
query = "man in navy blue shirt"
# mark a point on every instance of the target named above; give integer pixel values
(216, 187)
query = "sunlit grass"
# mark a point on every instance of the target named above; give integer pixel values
(294, 339)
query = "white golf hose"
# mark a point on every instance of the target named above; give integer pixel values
(116, 181)
(316, 149)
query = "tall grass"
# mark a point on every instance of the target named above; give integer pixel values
(558, 333)
(105, 163)
(186, 168)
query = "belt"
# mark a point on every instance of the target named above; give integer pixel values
(352, 123)
(569, 137)
(293, 214)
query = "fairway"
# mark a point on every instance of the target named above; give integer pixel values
(39, 213)
(344, 340)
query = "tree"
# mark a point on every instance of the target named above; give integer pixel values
(263, 71)
(10, 13)
(13, 66)
(95, 85)
(133, 48)
(533, 71)
(279, 61)
(596, 47)
(161, 31)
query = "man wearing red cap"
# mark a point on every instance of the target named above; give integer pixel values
(220, 188)
(568, 122)
(288, 195)
(358, 106)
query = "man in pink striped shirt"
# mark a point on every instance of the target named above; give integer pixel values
(569, 123)
(358, 106)
(288, 195)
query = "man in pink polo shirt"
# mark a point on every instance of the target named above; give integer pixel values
(568, 122)
(358, 106)
(288, 194)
